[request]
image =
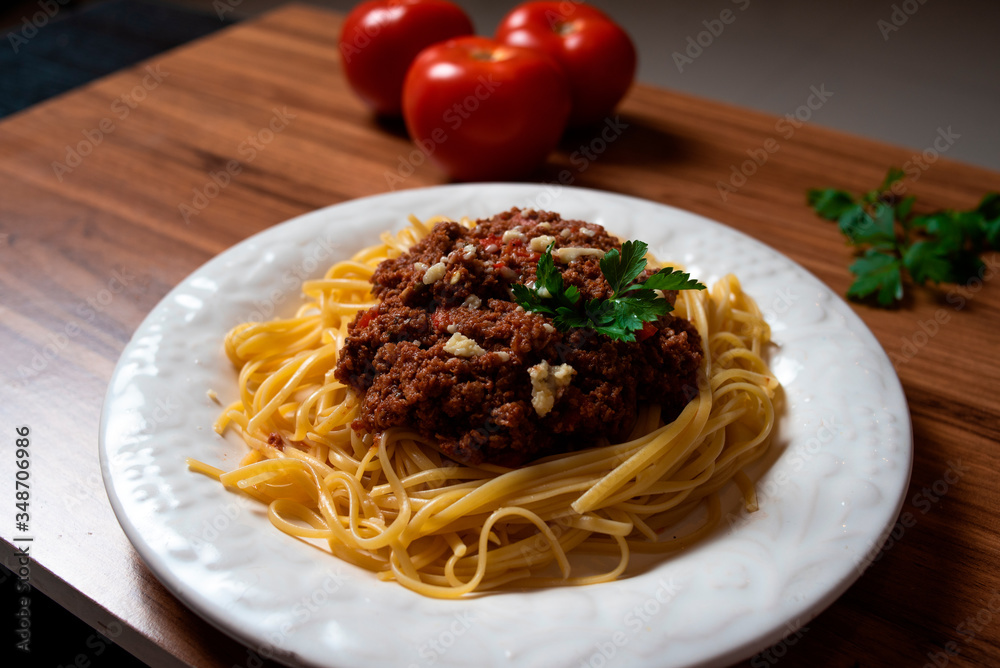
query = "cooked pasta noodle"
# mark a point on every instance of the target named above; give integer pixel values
(391, 503)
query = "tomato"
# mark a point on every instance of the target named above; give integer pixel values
(367, 317)
(440, 320)
(596, 53)
(483, 110)
(648, 330)
(380, 39)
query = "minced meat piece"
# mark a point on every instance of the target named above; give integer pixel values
(474, 394)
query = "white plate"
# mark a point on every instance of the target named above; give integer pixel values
(834, 485)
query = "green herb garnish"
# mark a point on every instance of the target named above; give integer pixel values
(631, 305)
(941, 247)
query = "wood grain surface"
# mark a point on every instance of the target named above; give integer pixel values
(87, 251)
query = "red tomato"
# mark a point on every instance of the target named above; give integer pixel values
(596, 53)
(367, 317)
(483, 110)
(380, 39)
(648, 330)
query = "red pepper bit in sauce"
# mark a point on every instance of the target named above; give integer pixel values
(648, 330)
(367, 317)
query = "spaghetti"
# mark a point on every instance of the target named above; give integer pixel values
(392, 504)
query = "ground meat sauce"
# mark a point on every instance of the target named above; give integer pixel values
(448, 353)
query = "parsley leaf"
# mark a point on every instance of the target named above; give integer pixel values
(668, 279)
(954, 229)
(927, 261)
(940, 247)
(548, 295)
(830, 202)
(894, 174)
(990, 206)
(904, 207)
(877, 273)
(989, 209)
(621, 268)
(626, 312)
(646, 306)
(992, 230)
(859, 226)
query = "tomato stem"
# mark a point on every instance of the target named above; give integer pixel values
(493, 55)
(564, 28)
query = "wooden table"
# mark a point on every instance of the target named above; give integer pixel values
(91, 245)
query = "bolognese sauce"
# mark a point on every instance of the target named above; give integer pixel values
(447, 352)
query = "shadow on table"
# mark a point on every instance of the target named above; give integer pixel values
(625, 139)
(621, 139)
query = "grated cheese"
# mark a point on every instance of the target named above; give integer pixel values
(540, 243)
(434, 273)
(547, 382)
(512, 234)
(569, 254)
(460, 345)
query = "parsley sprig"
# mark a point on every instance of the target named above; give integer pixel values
(941, 247)
(620, 317)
